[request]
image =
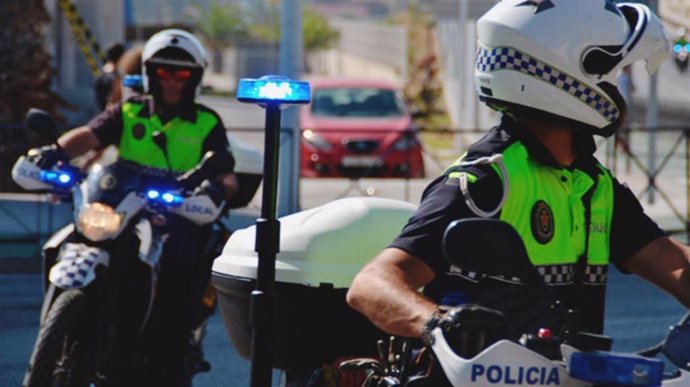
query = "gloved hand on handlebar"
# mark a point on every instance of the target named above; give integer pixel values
(48, 156)
(214, 189)
(468, 329)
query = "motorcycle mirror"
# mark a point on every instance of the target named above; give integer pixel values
(42, 123)
(488, 246)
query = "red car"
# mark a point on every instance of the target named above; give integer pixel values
(358, 128)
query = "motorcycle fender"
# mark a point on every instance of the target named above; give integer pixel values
(503, 364)
(151, 243)
(51, 249)
(76, 266)
(27, 175)
(59, 237)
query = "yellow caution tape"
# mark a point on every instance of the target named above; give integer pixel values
(85, 39)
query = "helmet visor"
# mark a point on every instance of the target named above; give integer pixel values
(167, 74)
(652, 45)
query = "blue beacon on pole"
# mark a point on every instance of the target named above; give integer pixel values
(273, 89)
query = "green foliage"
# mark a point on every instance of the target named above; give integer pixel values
(424, 94)
(263, 24)
(318, 34)
(423, 91)
(221, 24)
(264, 21)
(269, 33)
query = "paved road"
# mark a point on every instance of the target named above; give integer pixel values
(638, 316)
(20, 302)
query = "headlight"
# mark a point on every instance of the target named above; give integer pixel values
(98, 221)
(315, 140)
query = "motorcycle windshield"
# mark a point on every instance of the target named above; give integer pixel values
(111, 183)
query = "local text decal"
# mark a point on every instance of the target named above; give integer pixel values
(496, 374)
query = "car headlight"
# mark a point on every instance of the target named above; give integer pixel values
(98, 221)
(405, 143)
(316, 140)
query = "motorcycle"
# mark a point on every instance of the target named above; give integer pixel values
(323, 248)
(472, 345)
(101, 272)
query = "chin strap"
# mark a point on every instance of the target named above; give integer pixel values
(498, 159)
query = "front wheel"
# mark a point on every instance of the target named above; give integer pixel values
(55, 343)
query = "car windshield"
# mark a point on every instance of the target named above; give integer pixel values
(356, 102)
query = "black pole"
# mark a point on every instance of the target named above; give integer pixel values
(267, 246)
(687, 184)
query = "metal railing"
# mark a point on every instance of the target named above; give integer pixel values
(666, 175)
(662, 188)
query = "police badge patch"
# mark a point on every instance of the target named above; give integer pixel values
(138, 131)
(542, 222)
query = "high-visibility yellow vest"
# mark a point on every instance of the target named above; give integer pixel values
(185, 139)
(545, 205)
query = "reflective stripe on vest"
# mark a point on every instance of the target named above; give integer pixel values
(185, 139)
(545, 207)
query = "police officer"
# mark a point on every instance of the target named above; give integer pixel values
(173, 66)
(106, 84)
(550, 68)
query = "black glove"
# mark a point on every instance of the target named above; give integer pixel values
(468, 329)
(214, 189)
(48, 156)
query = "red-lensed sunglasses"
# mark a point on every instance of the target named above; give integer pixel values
(178, 75)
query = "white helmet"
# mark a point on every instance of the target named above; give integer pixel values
(173, 40)
(560, 58)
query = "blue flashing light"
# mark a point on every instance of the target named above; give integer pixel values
(687, 47)
(676, 48)
(170, 199)
(133, 81)
(64, 178)
(616, 368)
(275, 89)
(57, 178)
(153, 194)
